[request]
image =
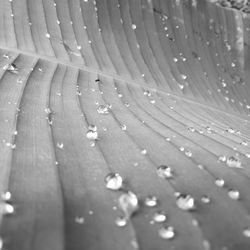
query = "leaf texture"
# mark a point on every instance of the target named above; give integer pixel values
(175, 75)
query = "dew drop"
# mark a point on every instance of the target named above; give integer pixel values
(159, 217)
(128, 203)
(188, 153)
(219, 182)
(7, 208)
(113, 181)
(205, 199)
(234, 194)
(123, 127)
(167, 233)
(121, 221)
(222, 158)
(6, 196)
(79, 220)
(92, 135)
(165, 172)
(246, 232)
(133, 26)
(143, 151)
(151, 201)
(104, 109)
(233, 162)
(185, 202)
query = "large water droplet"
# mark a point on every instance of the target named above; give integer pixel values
(233, 162)
(104, 109)
(164, 172)
(185, 202)
(128, 203)
(113, 181)
(159, 217)
(167, 233)
(151, 201)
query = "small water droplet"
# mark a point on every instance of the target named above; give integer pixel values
(133, 26)
(188, 153)
(113, 181)
(219, 182)
(143, 151)
(6, 196)
(165, 172)
(128, 203)
(60, 145)
(7, 208)
(151, 201)
(104, 109)
(92, 135)
(222, 158)
(233, 162)
(79, 220)
(123, 127)
(191, 129)
(234, 194)
(167, 233)
(246, 232)
(205, 199)
(92, 127)
(159, 217)
(185, 202)
(121, 221)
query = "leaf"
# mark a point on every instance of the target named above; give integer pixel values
(173, 79)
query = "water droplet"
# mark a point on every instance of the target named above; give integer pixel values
(143, 151)
(159, 217)
(6, 196)
(7, 208)
(92, 135)
(113, 181)
(164, 172)
(219, 182)
(191, 129)
(133, 26)
(206, 245)
(167, 233)
(104, 109)
(60, 145)
(181, 149)
(185, 202)
(222, 158)
(128, 203)
(205, 199)
(233, 162)
(92, 127)
(1, 243)
(151, 201)
(246, 232)
(234, 194)
(123, 127)
(188, 153)
(121, 221)
(79, 220)
(244, 143)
